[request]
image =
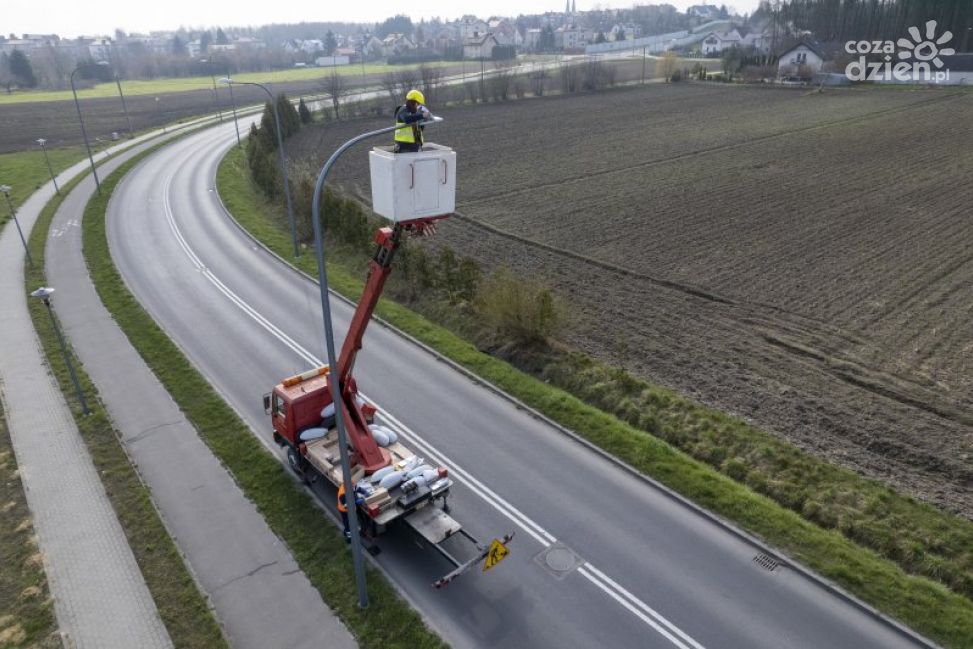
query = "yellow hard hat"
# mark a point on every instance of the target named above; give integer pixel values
(415, 94)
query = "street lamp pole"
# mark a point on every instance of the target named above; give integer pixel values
(128, 120)
(84, 134)
(280, 151)
(216, 96)
(44, 293)
(13, 213)
(336, 389)
(41, 141)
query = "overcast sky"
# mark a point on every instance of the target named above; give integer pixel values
(100, 17)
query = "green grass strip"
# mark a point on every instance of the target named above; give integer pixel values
(921, 603)
(26, 608)
(316, 544)
(182, 607)
(26, 171)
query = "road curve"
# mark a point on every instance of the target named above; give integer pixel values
(601, 558)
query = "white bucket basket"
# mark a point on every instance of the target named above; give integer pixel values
(408, 186)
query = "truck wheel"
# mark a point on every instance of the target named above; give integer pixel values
(295, 461)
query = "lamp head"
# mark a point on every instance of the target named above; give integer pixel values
(5, 189)
(43, 292)
(41, 141)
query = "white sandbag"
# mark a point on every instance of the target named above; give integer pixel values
(380, 438)
(392, 435)
(409, 463)
(419, 470)
(328, 411)
(381, 473)
(313, 433)
(392, 480)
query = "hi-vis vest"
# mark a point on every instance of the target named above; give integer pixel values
(342, 507)
(409, 133)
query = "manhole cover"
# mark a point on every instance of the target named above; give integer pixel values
(559, 560)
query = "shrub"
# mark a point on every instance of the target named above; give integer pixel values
(523, 311)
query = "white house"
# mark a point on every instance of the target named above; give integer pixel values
(802, 60)
(715, 43)
(480, 46)
(707, 12)
(100, 49)
(531, 38)
(331, 61)
(571, 37)
(759, 41)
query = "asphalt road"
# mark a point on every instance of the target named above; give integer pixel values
(601, 558)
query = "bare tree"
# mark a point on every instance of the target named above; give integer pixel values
(669, 64)
(538, 82)
(336, 88)
(500, 82)
(431, 78)
(390, 84)
(407, 79)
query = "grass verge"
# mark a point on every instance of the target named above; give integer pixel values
(184, 84)
(182, 607)
(26, 171)
(26, 609)
(316, 544)
(923, 604)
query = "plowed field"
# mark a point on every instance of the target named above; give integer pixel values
(804, 260)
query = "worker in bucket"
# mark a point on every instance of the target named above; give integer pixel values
(343, 509)
(408, 139)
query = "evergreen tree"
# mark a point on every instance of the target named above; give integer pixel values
(221, 36)
(303, 111)
(21, 70)
(330, 43)
(204, 40)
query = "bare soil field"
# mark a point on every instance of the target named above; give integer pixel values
(803, 260)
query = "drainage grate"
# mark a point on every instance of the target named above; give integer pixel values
(766, 562)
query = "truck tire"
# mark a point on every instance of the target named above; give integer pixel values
(295, 461)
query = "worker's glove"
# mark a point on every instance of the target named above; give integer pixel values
(425, 112)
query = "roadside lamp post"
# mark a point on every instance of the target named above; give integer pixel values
(42, 142)
(236, 124)
(280, 150)
(128, 120)
(84, 134)
(44, 293)
(216, 96)
(329, 343)
(5, 189)
(158, 113)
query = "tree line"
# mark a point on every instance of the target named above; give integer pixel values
(845, 20)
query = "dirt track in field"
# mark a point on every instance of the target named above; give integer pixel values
(803, 260)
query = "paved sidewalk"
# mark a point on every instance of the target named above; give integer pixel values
(100, 598)
(259, 593)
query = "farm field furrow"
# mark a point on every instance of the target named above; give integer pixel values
(801, 259)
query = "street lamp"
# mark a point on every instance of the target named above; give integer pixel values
(84, 134)
(329, 342)
(236, 124)
(128, 120)
(216, 96)
(280, 150)
(44, 293)
(41, 141)
(5, 189)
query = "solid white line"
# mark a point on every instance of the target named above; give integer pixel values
(629, 601)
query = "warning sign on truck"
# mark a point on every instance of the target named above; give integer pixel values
(497, 553)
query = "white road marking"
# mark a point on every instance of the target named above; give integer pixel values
(614, 590)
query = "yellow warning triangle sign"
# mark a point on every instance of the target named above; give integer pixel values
(497, 553)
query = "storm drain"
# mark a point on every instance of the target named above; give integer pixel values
(766, 562)
(559, 560)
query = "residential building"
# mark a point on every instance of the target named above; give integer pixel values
(801, 61)
(716, 42)
(480, 46)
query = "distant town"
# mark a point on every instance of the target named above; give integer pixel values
(776, 40)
